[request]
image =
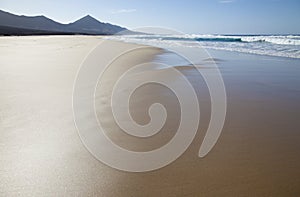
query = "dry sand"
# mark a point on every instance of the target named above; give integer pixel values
(258, 153)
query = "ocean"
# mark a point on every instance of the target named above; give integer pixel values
(271, 45)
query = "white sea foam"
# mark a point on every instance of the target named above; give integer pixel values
(274, 45)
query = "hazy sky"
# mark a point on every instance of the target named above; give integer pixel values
(189, 16)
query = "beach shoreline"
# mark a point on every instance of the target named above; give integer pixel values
(41, 152)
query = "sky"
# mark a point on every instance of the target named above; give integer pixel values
(188, 16)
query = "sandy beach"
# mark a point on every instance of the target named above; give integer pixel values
(257, 154)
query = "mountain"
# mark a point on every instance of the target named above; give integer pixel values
(90, 25)
(11, 24)
(16, 31)
(34, 22)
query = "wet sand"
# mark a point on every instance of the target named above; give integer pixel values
(41, 152)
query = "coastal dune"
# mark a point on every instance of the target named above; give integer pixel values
(41, 152)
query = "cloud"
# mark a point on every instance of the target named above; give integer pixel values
(226, 1)
(123, 11)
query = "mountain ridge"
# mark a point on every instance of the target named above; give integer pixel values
(11, 24)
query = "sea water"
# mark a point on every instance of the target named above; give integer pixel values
(272, 45)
